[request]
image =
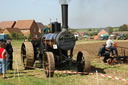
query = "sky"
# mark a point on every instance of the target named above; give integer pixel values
(82, 13)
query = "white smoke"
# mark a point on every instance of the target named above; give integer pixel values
(64, 1)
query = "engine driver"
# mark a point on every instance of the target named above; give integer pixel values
(47, 29)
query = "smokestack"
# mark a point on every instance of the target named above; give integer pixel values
(64, 8)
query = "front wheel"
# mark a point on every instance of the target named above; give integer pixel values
(49, 64)
(83, 62)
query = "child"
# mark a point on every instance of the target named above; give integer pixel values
(3, 59)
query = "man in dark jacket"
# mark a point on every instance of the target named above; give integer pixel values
(9, 50)
(104, 52)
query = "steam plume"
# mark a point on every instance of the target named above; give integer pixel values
(64, 1)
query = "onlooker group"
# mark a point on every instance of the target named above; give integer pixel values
(6, 57)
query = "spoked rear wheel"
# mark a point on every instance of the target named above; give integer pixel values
(83, 62)
(49, 64)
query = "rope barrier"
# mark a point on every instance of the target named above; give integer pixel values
(85, 73)
(99, 74)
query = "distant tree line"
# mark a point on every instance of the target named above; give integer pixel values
(123, 28)
(16, 36)
(94, 31)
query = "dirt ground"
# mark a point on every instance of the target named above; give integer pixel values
(92, 49)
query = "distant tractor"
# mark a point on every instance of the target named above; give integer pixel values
(3, 37)
(54, 49)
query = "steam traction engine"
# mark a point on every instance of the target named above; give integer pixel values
(54, 49)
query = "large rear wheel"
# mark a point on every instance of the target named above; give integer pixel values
(27, 55)
(83, 62)
(49, 64)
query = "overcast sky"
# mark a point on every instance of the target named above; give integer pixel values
(82, 13)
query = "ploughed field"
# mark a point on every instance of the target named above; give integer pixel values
(19, 76)
(92, 48)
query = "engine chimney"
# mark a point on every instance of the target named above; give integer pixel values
(64, 8)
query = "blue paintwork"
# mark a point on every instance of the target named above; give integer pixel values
(48, 36)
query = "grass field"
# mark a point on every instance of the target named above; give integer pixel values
(19, 76)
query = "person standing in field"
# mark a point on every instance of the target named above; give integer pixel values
(109, 45)
(3, 59)
(9, 50)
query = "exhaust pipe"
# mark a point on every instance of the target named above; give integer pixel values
(64, 8)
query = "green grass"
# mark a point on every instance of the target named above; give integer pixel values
(17, 42)
(28, 81)
(24, 80)
(117, 67)
(37, 77)
(4, 82)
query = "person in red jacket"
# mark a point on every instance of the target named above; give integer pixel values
(3, 59)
